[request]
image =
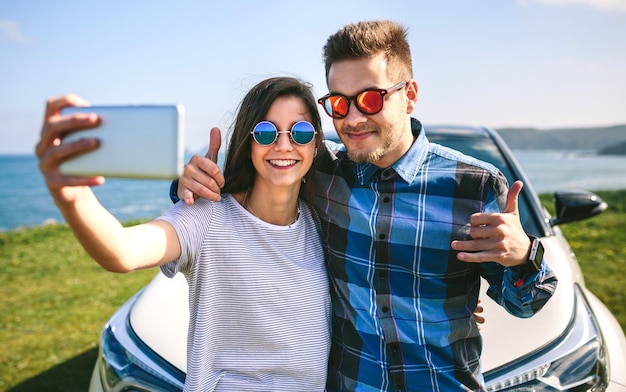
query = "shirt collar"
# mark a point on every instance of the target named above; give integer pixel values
(407, 166)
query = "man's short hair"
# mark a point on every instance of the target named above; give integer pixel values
(367, 39)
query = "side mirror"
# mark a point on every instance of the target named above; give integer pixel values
(572, 206)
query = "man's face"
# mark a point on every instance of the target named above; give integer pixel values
(380, 138)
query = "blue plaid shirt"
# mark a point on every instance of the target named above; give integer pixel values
(402, 302)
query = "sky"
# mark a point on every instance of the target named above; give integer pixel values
(499, 63)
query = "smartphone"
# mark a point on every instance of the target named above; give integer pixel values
(136, 141)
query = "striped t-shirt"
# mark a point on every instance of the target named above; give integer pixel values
(258, 298)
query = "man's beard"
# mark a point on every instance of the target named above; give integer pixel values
(376, 153)
(366, 155)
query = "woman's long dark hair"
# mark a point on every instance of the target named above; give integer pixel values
(239, 172)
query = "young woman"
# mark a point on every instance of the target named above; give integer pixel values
(259, 301)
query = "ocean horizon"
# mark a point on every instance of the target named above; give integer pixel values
(25, 201)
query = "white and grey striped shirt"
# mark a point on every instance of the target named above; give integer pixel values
(258, 297)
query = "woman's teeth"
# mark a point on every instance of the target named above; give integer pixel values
(283, 162)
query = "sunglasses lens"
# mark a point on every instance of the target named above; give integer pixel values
(264, 133)
(336, 106)
(302, 132)
(370, 102)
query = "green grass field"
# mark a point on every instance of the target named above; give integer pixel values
(55, 299)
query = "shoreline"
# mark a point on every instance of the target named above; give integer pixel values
(51, 222)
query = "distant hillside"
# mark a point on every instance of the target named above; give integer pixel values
(617, 149)
(593, 138)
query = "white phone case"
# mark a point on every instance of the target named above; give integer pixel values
(137, 141)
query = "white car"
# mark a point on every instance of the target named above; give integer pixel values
(574, 343)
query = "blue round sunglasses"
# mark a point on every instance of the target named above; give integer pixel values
(265, 133)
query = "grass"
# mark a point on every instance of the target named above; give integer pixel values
(55, 299)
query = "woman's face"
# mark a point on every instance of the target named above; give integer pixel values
(284, 163)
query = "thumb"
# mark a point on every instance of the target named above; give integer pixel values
(511, 197)
(215, 141)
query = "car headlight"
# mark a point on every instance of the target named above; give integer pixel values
(127, 364)
(575, 362)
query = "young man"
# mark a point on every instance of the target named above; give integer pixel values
(409, 228)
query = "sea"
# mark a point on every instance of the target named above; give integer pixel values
(25, 201)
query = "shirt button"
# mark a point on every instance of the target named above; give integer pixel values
(386, 199)
(385, 309)
(382, 236)
(382, 275)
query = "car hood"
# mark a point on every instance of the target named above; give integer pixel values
(160, 315)
(506, 337)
